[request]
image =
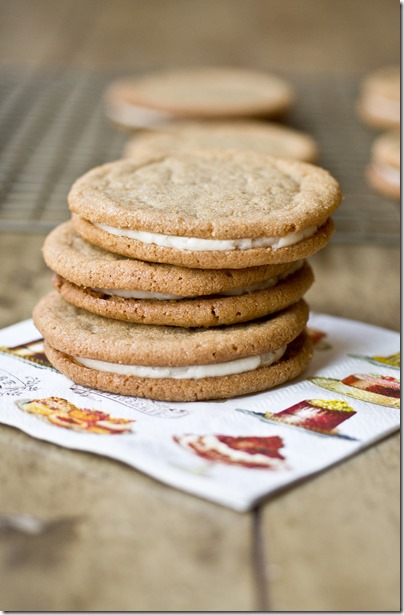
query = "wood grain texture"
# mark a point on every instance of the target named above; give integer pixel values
(332, 543)
(116, 540)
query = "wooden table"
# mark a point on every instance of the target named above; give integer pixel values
(116, 539)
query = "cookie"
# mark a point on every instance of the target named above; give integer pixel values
(115, 287)
(379, 98)
(383, 171)
(268, 138)
(207, 209)
(83, 264)
(204, 311)
(201, 93)
(172, 363)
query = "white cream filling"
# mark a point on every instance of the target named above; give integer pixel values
(136, 117)
(187, 372)
(234, 292)
(383, 107)
(196, 244)
(390, 174)
(206, 444)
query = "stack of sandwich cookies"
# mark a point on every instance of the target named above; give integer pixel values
(182, 278)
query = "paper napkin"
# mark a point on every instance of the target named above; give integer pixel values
(234, 452)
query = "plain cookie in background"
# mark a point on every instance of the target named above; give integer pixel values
(379, 99)
(153, 100)
(267, 138)
(172, 363)
(383, 171)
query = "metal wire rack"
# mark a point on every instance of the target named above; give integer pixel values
(53, 129)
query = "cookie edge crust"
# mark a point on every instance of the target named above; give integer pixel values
(226, 259)
(292, 364)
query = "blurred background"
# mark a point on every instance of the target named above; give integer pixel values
(347, 36)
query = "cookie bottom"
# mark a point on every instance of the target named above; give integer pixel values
(292, 364)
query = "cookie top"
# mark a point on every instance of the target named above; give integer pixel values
(386, 149)
(207, 194)
(268, 138)
(87, 265)
(81, 333)
(204, 92)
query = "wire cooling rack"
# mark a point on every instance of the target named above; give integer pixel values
(53, 129)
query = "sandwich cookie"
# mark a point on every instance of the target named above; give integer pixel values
(268, 138)
(379, 99)
(383, 171)
(156, 99)
(172, 363)
(207, 209)
(116, 287)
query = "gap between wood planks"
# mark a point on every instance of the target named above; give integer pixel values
(259, 563)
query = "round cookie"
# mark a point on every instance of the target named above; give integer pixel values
(205, 311)
(379, 98)
(178, 209)
(112, 286)
(267, 138)
(171, 363)
(87, 265)
(211, 93)
(383, 172)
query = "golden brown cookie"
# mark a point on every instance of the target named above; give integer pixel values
(379, 98)
(171, 363)
(116, 287)
(383, 171)
(207, 209)
(86, 265)
(204, 311)
(156, 99)
(267, 138)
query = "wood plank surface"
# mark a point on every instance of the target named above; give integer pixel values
(332, 543)
(115, 539)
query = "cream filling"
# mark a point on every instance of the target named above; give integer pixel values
(234, 292)
(136, 117)
(390, 174)
(196, 244)
(206, 444)
(383, 107)
(238, 366)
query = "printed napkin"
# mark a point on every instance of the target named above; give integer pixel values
(233, 452)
